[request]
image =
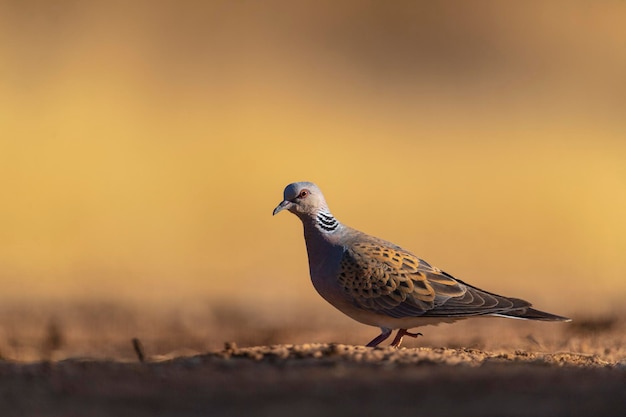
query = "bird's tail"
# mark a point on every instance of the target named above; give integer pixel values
(528, 313)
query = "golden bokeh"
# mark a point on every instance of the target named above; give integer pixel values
(143, 145)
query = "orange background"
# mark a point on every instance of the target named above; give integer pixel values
(143, 145)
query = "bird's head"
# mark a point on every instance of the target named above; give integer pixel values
(302, 199)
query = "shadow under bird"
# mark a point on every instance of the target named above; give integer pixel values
(380, 284)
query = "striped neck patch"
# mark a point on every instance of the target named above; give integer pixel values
(326, 222)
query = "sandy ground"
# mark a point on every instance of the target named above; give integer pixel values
(321, 379)
(482, 368)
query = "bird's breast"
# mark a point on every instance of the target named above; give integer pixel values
(324, 264)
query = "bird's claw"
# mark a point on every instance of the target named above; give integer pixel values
(401, 333)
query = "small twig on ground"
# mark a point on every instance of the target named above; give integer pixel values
(139, 349)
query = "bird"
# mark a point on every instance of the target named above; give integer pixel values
(378, 283)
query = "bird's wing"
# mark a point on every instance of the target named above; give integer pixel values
(386, 279)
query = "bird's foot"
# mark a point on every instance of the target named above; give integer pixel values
(401, 333)
(380, 338)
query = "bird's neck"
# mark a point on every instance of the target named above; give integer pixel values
(321, 225)
(322, 234)
(325, 222)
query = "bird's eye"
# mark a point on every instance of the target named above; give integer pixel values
(303, 193)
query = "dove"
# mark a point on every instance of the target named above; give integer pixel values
(378, 283)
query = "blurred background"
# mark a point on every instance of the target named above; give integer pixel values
(144, 144)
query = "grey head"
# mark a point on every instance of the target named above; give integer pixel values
(304, 199)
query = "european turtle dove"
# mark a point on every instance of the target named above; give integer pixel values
(380, 284)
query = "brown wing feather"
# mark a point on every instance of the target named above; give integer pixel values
(386, 279)
(391, 280)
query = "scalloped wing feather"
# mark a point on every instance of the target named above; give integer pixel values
(384, 278)
(388, 279)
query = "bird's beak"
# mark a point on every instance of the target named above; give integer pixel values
(286, 204)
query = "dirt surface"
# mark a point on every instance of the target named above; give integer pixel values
(320, 379)
(79, 360)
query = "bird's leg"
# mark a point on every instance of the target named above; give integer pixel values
(401, 333)
(380, 338)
